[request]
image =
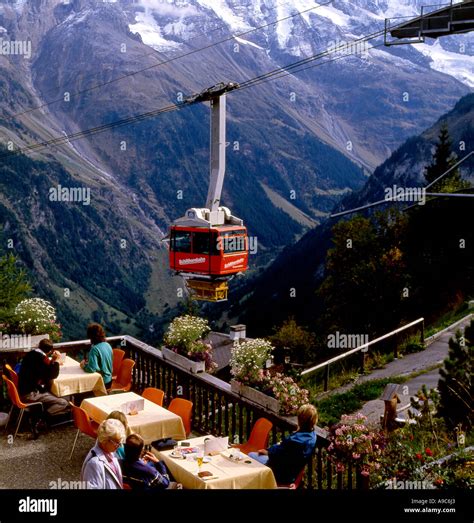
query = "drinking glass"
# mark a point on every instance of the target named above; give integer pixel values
(200, 459)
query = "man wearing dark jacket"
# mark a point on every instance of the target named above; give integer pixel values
(36, 373)
(144, 470)
(288, 458)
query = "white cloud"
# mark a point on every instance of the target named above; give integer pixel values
(169, 7)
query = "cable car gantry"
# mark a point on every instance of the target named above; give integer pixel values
(209, 246)
(450, 19)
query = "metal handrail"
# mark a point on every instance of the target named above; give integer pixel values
(361, 347)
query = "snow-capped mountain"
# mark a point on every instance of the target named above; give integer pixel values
(172, 25)
(310, 133)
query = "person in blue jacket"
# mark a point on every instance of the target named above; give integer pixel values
(100, 358)
(288, 458)
(143, 469)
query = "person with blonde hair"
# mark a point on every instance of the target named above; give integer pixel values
(120, 416)
(288, 458)
(101, 468)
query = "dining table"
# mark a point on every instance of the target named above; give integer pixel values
(72, 379)
(152, 423)
(225, 472)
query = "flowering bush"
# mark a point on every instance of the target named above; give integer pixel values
(248, 359)
(351, 441)
(286, 391)
(37, 316)
(184, 336)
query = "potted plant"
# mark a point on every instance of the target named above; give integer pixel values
(37, 316)
(184, 344)
(277, 393)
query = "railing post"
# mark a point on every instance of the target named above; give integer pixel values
(326, 378)
(422, 332)
(363, 354)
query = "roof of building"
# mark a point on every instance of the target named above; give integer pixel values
(222, 347)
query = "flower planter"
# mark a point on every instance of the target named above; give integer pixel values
(255, 396)
(183, 362)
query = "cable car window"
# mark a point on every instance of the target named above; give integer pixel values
(215, 244)
(201, 242)
(234, 241)
(182, 241)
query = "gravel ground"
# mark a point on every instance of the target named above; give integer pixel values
(33, 464)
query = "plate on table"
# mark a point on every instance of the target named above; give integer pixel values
(236, 458)
(177, 454)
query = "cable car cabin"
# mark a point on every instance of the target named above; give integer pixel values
(214, 252)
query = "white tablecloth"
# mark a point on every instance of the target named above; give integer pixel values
(227, 474)
(152, 423)
(74, 380)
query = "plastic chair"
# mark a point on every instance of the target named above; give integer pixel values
(154, 395)
(83, 424)
(16, 402)
(296, 483)
(118, 355)
(123, 382)
(184, 409)
(13, 376)
(258, 438)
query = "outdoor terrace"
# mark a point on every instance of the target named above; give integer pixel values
(217, 410)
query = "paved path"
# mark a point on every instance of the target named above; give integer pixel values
(433, 355)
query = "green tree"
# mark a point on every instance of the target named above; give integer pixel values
(455, 387)
(14, 287)
(443, 159)
(299, 341)
(365, 275)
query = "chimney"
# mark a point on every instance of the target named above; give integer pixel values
(237, 332)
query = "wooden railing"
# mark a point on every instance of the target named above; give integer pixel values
(217, 410)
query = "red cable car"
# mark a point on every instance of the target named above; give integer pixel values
(218, 251)
(209, 246)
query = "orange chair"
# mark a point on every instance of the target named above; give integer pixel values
(184, 409)
(297, 482)
(118, 355)
(83, 424)
(13, 375)
(16, 402)
(155, 395)
(258, 437)
(123, 382)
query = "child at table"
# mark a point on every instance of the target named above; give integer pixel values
(143, 469)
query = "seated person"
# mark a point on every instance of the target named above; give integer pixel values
(38, 369)
(100, 358)
(144, 469)
(120, 416)
(289, 457)
(101, 469)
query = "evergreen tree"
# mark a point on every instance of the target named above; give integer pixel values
(14, 287)
(443, 159)
(455, 387)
